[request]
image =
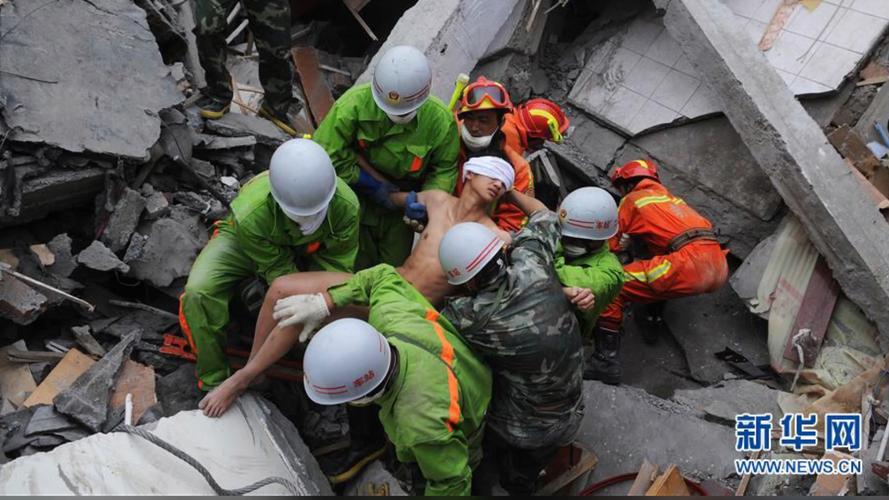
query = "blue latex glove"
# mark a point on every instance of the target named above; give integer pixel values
(415, 213)
(378, 191)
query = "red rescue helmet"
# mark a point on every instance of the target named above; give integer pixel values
(634, 170)
(484, 94)
(543, 119)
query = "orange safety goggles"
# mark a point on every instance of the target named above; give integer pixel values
(485, 94)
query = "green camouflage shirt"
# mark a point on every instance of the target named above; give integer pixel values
(526, 330)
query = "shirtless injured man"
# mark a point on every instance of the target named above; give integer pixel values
(487, 179)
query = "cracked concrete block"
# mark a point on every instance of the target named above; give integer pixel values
(46, 420)
(168, 254)
(156, 206)
(238, 125)
(623, 425)
(710, 153)
(708, 323)
(97, 256)
(250, 442)
(65, 263)
(18, 301)
(123, 221)
(86, 400)
(454, 35)
(83, 98)
(724, 400)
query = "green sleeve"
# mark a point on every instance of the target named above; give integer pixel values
(271, 260)
(340, 247)
(605, 279)
(358, 289)
(443, 162)
(337, 134)
(445, 466)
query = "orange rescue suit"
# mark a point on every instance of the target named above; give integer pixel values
(516, 135)
(507, 216)
(698, 266)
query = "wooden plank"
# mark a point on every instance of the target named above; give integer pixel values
(814, 313)
(570, 463)
(360, 20)
(16, 381)
(315, 89)
(669, 484)
(60, 378)
(138, 380)
(647, 473)
(849, 143)
(832, 484)
(745, 481)
(356, 5)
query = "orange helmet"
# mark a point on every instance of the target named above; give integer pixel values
(543, 119)
(484, 94)
(635, 169)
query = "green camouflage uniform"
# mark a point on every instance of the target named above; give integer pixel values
(270, 25)
(526, 330)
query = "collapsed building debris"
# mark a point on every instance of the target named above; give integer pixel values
(142, 178)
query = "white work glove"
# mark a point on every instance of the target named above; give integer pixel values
(309, 310)
(624, 242)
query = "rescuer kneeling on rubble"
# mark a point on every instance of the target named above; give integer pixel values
(431, 388)
(297, 216)
(687, 258)
(588, 217)
(519, 320)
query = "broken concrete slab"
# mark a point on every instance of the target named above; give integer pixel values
(18, 301)
(123, 220)
(46, 420)
(167, 254)
(86, 400)
(87, 341)
(178, 391)
(710, 153)
(840, 219)
(624, 425)
(76, 92)
(454, 35)
(237, 125)
(51, 191)
(641, 78)
(250, 442)
(708, 323)
(156, 204)
(74, 364)
(514, 34)
(65, 264)
(16, 381)
(97, 256)
(725, 400)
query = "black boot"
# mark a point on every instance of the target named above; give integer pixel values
(604, 364)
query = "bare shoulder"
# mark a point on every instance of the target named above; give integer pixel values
(434, 197)
(503, 235)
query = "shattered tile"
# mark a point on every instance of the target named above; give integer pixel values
(664, 50)
(641, 35)
(856, 31)
(645, 76)
(650, 115)
(675, 90)
(810, 23)
(829, 64)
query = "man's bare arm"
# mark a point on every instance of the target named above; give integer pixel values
(527, 204)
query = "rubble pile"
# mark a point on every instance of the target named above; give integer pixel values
(111, 182)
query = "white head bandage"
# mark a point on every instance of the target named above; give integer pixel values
(493, 167)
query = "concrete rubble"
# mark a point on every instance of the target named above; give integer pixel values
(110, 194)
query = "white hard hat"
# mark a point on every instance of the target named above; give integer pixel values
(465, 249)
(301, 177)
(588, 213)
(346, 360)
(401, 80)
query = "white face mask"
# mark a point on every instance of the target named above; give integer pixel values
(572, 250)
(308, 224)
(402, 119)
(475, 143)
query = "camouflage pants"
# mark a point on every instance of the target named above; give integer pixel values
(270, 25)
